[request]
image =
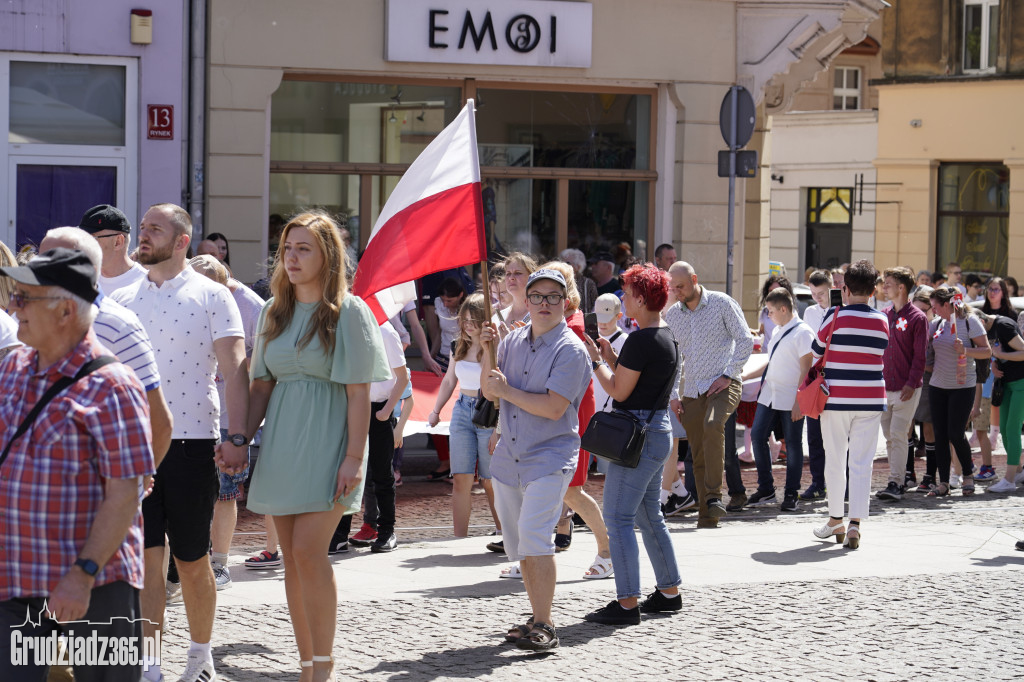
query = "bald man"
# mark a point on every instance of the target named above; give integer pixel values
(715, 343)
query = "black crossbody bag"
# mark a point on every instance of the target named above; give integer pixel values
(619, 436)
(51, 393)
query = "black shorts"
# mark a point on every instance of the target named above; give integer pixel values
(181, 504)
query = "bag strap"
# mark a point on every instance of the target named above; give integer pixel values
(668, 387)
(51, 393)
(828, 344)
(772, 354)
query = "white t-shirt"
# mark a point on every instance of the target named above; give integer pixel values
(108, 285)
(381, 390)
(121, 332)
(184, 317)
(250, 305)
(8, 331)
(600, 396)
(813, 317)
(782, 377)
(449, 323)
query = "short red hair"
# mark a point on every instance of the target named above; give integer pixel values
(649, 283)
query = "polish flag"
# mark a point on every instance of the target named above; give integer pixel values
(433, 221)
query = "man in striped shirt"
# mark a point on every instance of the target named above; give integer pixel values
(856, 335)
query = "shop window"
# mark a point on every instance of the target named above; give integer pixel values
(981, 35)
(846, 88)
(973, 217)
(66, 103)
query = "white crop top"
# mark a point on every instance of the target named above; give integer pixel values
(468, 374)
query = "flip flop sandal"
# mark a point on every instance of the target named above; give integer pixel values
(601, 568)
(518, 631)
(512, 572)
(541, 638)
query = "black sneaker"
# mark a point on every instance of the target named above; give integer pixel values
(716, 509)
(926, 484)
(677, 504)
(614, 614)
(736, 502)
(909, 481)
(337, 547)
(790, 502)
(497, 546)
(893, 491)
(762, 497)
(656, 602)
(813, 492)
(384, 544)
(1019, 546)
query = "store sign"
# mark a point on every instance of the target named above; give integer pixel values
(160, 121)
(503, 32)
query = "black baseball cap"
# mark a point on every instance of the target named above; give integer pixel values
(603, 256)
(105, 217)
(69, 269)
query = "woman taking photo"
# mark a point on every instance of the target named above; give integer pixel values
(955, 333)
(468, 442)
(318, 348)
(639, 380)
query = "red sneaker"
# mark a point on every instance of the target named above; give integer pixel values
(365, 537)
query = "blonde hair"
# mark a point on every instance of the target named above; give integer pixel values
(473, 305)
(7, 259)
(572, 294)
(528, 263)
(211, 267)
(324, 323)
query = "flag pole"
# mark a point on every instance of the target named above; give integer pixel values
(487, 310)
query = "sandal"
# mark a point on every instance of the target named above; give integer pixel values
(516, 632)
(439, 475)
(563, 540)
(940, 490)
(511, 571)
(967, 487)
(601, 568)
(541, 638)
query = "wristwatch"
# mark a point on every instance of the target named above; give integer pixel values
(88, 566)
(237, 439)
(595, 365)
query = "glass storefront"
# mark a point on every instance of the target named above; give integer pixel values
(558, 168)
(973, 217)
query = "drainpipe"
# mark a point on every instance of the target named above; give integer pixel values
(196, 152)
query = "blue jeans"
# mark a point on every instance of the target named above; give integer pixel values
(764, 421)
(815, 453)
(632, 496)
(468, 443)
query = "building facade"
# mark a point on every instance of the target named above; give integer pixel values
(92, 117)
(598, 122)
(950, 151)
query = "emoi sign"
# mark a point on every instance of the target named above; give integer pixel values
(501, 32)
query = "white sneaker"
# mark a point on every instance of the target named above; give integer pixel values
(198, 669)
(1019, 478)
(221, 576)
(1001, 486)
(955, 480)
(173, 592)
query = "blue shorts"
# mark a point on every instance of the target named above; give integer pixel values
(468, 443)
(229, 489)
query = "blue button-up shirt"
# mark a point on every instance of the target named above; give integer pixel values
(532, 447)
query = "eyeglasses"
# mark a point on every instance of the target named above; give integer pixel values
(18, 299)
(994, 290)
(550, 299)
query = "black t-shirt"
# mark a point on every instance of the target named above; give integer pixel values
(610, 287)
(1003, 330)
(652, 352)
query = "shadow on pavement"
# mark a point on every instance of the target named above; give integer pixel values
(456, 560)
(490, 588)
(802, 555)
(999, 561)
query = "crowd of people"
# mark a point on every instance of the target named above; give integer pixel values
(139, 384)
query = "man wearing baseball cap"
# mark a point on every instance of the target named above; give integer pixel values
(543, 371)
(603, 272)
(110, 227)
(72, 473)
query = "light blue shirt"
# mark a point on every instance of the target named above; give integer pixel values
(532, 447)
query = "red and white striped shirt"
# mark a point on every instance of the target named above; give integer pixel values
(853, 371)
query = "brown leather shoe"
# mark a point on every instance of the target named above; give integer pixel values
(707, 523)
(736, 502)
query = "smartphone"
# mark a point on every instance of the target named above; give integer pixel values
(590, 325)
(835, 297)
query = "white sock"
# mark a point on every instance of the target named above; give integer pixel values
(670, 596)
(220, 558)
(151, 669)
(679, 488)
(664, 495)
(203, 650)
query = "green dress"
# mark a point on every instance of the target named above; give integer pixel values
(306, 427)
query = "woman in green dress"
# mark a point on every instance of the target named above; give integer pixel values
(318, 348)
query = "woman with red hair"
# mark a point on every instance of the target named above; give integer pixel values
(640, 384)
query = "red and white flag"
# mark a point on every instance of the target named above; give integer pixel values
(432, 221)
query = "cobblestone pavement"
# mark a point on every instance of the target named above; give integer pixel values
(923, 625)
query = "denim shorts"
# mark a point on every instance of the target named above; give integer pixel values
(229, 489)
(468, 443)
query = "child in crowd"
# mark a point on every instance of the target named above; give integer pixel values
(469, 444)
(608, 309)
(446, 305)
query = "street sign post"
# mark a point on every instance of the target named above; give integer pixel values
(736, 120)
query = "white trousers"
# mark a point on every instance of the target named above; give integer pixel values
(855, 432)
